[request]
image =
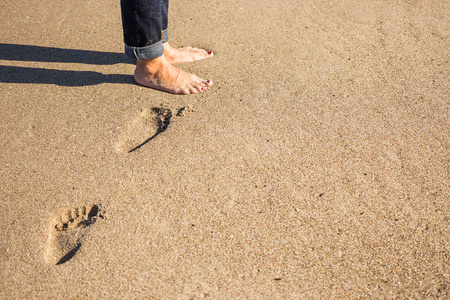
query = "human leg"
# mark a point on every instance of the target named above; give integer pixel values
(142, 28)
(165, 20)
(143, 25)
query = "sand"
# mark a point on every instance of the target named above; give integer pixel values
(317, 166)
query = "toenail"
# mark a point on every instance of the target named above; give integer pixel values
(210, 52)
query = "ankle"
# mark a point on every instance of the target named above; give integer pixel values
(150, 65)
(168, 50)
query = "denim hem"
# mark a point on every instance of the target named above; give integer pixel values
(165, 36)
(147, 52)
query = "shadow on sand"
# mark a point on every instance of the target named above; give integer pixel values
(10, 74)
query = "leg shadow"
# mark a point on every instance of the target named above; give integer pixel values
(50, 54)
(10, 74)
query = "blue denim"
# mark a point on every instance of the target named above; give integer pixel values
(144, 25)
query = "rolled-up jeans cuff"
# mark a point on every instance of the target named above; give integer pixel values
(165, 38)
(147, 52)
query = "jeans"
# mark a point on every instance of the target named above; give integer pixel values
(144, 25)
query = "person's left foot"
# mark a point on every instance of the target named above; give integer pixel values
(182, 55)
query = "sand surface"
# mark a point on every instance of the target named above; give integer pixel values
(317, 166)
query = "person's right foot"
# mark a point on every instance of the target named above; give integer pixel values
(159, 74)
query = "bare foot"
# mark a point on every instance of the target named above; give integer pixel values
(159, 74)
(182, 55)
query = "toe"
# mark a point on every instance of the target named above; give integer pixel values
(199, 87)
(208, 83)
(184, 91)
(193, 89)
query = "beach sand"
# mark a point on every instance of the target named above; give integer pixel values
(317, 166)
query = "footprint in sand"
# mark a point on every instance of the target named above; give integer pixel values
(67, 232)
(143, 128)
(185, 110)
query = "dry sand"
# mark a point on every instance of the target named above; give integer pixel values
(316, 167)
